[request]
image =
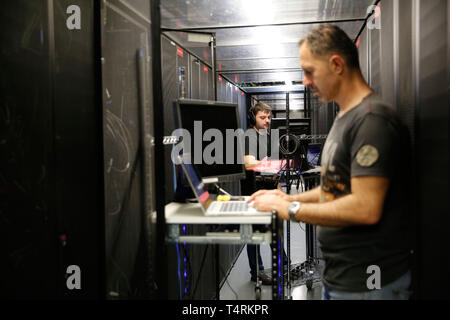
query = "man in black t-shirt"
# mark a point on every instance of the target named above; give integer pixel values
(257, 147)
(362, 205)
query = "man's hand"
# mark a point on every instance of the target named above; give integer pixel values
(271, 201)
(250, 162)
(275, 192)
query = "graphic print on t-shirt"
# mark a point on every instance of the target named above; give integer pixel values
(332, 183)
(367, 155)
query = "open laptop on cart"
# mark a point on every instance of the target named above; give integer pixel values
(211, 207)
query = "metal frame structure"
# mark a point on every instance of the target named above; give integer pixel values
(156, 32)
(161, 252)
(71, 65)
(182, 214)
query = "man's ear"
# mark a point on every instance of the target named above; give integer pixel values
(336, 63)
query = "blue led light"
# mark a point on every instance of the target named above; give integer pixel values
(185, 264)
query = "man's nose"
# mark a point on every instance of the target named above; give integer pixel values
(306, 81)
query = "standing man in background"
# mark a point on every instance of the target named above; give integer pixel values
(362, 204)
(259, 117)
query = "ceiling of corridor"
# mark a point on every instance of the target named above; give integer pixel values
(256, 40)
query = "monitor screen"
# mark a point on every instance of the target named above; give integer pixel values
(313, 154)
(216, 154)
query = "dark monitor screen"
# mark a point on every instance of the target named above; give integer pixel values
(313, 154)
(211, 153)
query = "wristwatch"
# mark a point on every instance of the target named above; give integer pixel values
(293, 208)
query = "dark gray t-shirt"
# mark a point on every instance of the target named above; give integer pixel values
(368, 140)
(258, 146)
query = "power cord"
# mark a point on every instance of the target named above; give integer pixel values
(220, 189)
(229, 285)
(200, 270)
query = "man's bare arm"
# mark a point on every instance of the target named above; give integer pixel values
(364, 205)
(312, 195)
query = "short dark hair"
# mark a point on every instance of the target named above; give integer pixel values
(329, 39)
(260, 106)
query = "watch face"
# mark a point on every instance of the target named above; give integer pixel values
(293, 209)
(293, 205)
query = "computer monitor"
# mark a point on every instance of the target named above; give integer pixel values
(313, 154)
(209, 154)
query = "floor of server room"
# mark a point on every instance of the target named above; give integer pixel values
(238, 285)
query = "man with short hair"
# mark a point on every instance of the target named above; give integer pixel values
(361, 207)
(259, 119)
(257, 147)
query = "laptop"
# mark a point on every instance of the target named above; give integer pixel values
(216, 208)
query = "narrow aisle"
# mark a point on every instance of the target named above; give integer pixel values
(239, 287)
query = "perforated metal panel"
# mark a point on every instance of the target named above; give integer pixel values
(405, 90)
(375, 60)
(183, 73)
(221, 89)
(364, 55)
(387, 86)
(126, 85)
(195, 78)
(170, 87)
(170, 82)
(243, 110)
(29, 219)
(204, 90)
(432, 142)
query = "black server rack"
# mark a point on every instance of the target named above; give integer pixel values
(52, 232)
(192, 269)
(407, 64)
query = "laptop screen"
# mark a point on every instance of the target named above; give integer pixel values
(196, 184)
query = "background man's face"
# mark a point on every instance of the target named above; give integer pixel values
(317, 75)
(262, 120)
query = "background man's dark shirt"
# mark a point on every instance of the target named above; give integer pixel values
(253, 181)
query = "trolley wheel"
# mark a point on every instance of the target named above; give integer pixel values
(258, 293)
(309, 284)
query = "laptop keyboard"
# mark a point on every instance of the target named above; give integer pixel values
(233, 206)
(224, 208)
